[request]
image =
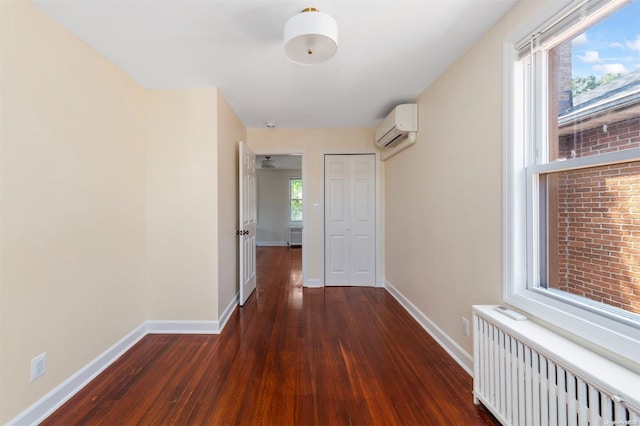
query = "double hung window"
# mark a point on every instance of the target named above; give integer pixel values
(295, 199)
(572, 172)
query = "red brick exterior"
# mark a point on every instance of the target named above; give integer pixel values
(621, 135)
(598, 223)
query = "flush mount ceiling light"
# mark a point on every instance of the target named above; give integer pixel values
(268, 163)
(310, 37)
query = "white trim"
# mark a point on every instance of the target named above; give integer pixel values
(305, 216)
(182, 327)
(379, 254)
(44, 407)
(447, 343)
(226, 314)
(508, 174)
(271, 244)
(561, 23)
(313, 283)
(305, 210)
(49, 403)
(606, 159)
(613, 338)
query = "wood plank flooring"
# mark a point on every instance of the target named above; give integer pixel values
(290, 356)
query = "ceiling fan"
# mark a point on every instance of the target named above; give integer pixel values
(268, 163)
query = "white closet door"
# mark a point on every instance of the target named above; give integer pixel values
(363, 220)
(350, 220)
(337, 220)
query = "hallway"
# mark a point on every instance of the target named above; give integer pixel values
(290, 356)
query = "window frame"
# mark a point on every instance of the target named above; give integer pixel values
(292, 178)
(525, 128)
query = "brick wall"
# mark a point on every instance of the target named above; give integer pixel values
(623, 134)
(560, 57)
(598, 223)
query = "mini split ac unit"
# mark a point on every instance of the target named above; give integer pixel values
(400, 125)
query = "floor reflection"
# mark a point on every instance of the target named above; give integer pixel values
(295, 297)
(295, 288)
(278, 278)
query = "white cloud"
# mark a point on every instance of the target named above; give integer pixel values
(591, 57)
(634, 45)
(579, 40)
(617, 45)
(610, 69)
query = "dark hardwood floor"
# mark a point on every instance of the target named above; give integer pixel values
(290, 356)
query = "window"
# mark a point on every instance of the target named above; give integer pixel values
(572, 173)
(295, 199)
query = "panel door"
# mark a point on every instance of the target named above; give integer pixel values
(247, 221)
(350, 220)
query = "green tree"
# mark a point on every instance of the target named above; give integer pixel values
(607, 78)
(581, 85)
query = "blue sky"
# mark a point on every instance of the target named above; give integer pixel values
(613, 45)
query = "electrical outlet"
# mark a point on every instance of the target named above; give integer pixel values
(465, 326)
(38, 366)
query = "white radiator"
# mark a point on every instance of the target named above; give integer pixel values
(527, 375)
(295, 235)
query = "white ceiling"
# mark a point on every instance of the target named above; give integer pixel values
(389, 51)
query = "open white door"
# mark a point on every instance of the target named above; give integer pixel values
(247, 211)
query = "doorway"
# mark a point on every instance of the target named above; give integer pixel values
(281, 193)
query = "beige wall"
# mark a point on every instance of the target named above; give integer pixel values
(230, 132)
(182, 204)
(444, 194)
(112, 201)
(313, 144)
(116, 208)
(72, 204)
(273, 204)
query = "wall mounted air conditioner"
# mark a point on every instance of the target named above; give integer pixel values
(398, 130)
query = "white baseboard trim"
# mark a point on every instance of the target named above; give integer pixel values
(226, 314)
(49, 403)
(44, 407)
(271, 244)
(182, 327)
(448, 344)
(313, 283)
